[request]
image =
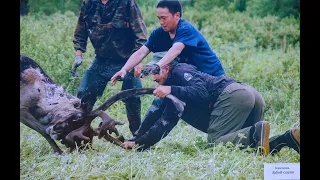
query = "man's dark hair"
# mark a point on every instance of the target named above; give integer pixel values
(173, 6)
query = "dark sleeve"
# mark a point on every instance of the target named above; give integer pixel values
(185, 36)
(137, 25)
(161, 128)
(189, 85)
(80, 33)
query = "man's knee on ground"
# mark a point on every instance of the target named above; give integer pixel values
(211, 141)
(212, 138)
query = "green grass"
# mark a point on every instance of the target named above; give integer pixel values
(183, 153)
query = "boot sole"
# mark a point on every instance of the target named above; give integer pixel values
(265, 148)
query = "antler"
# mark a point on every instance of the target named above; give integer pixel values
(85, 133)
(108, 124)
(123, 94)
(138, 91)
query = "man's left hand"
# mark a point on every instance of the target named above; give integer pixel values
(128, 145)
(162, 91)
(137, 70)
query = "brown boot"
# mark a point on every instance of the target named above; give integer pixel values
(261, 137)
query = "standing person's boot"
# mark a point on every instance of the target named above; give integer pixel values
(260, 137)
(133, 108)
(290, 138)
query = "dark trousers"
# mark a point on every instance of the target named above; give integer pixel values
(152, 115)
(236, 110)
(95, 81)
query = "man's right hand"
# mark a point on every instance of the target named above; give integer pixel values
(128, 145)
(116, 76)
(77, 62)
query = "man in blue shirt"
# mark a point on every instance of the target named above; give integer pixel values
(186, 42)
(180, 40)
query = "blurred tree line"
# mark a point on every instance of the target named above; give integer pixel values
(280, 8)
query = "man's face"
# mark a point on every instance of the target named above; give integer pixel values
(162, 76)
(168, 21)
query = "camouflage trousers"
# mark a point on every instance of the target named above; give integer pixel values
(96, 79)
(236, 110)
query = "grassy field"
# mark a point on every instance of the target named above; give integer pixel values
(250, 51)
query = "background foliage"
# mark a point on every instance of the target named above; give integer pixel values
(281, 8)
(263, 51)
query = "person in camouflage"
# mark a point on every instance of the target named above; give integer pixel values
(116, 29)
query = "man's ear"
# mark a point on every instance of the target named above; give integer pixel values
(177, 15)
(167, 68)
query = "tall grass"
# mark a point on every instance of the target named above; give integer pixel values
(236, 38)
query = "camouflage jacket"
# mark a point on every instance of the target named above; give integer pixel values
(116, 29)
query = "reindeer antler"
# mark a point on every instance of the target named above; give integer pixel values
(138, 91)
(86, 132)
(108, 124)
(123, 94)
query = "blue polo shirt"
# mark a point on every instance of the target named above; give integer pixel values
(196, 52)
